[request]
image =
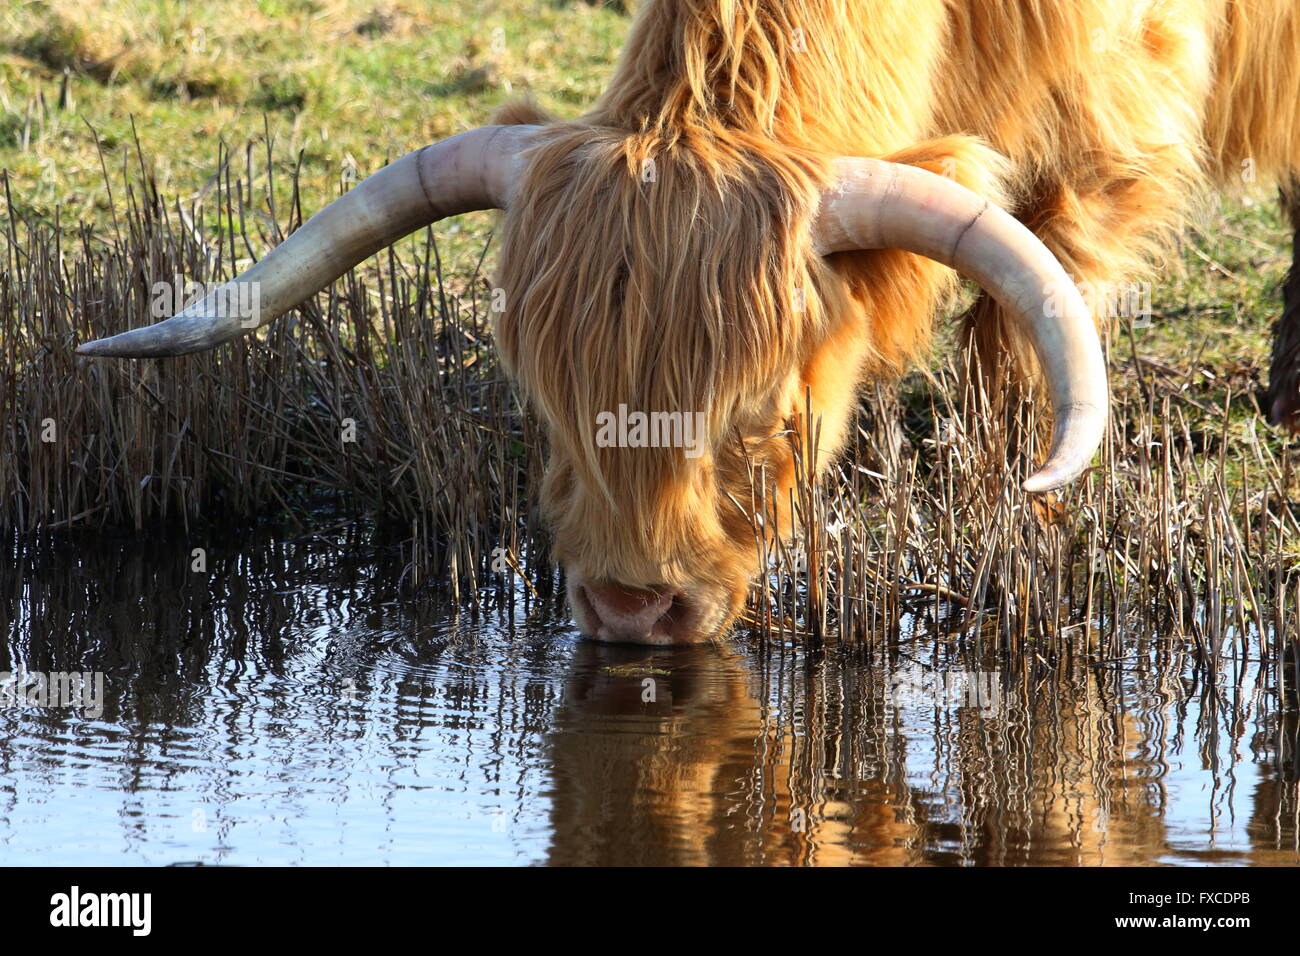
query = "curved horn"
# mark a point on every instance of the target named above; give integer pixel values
(881, 205)
(476, 169)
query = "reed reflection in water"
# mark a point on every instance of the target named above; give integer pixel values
(290, 704)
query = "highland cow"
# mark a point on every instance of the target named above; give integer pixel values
(766, 206)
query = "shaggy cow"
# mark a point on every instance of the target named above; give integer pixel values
(763, 208)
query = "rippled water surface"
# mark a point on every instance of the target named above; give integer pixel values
(291, 705)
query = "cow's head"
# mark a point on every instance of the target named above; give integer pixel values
(670, 313)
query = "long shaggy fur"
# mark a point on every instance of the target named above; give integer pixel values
(659, 254)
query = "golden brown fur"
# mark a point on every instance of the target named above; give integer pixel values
(659, 253)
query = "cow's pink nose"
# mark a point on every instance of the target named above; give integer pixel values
(612, 612)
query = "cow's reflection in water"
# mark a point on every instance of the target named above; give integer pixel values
(719, 755)
(667, 757)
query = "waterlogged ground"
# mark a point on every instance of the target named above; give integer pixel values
(290, 706)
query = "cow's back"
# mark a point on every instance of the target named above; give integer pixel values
(1206, 85)
(1079, 91)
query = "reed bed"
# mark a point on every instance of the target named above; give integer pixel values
(383, 396)
(1156, 538)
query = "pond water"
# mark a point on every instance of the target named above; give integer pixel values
(291, 705)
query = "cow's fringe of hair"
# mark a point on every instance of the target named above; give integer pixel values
(664, 276)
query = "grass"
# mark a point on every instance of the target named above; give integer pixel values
(1187, 531)
(342, 84)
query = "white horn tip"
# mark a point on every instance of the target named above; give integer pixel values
(1040, 482)
(1053, 475)
(125, 345)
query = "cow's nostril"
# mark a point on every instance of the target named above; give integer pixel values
(678, 614)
